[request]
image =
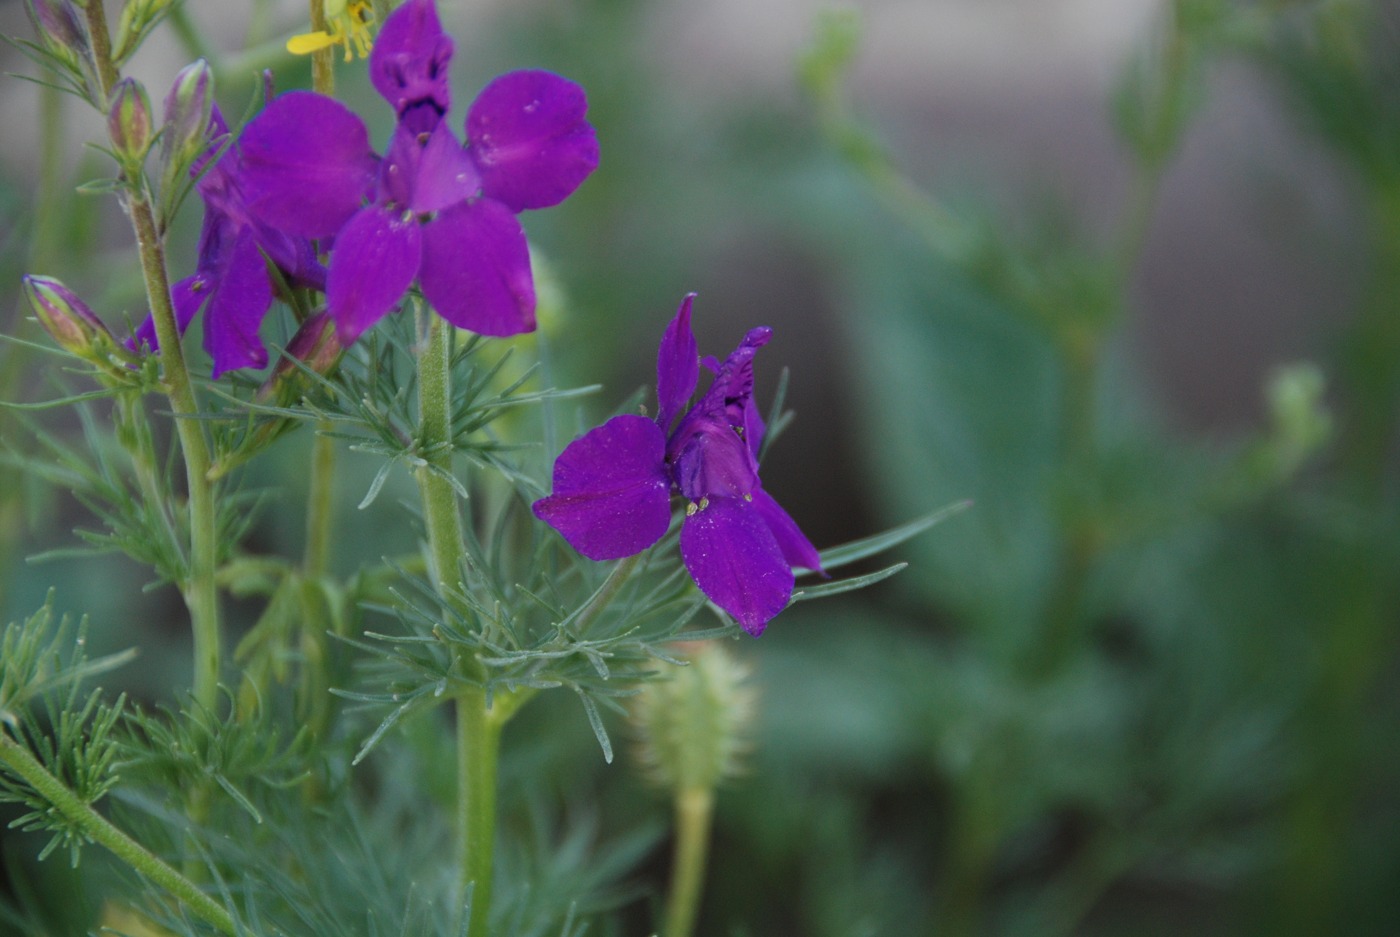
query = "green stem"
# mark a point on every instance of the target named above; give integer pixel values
(200, 590)
(604, 596)
(694, 811)
(322, 61)
(101, 41)
(101, 831)
(478, 727)
(320, 517)
(478, 751)
(439, 495)
(320, 509)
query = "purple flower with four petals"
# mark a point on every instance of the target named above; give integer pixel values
(431, 209)
(613, 485)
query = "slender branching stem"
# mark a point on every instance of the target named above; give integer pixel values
(617, 578)
(100, 830)
(101, 42)
(694, 811)
(199, 588)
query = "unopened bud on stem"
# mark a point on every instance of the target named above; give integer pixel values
(67, 318)
(129, 123)
(188, 107)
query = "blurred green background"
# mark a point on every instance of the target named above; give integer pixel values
(1127, 275)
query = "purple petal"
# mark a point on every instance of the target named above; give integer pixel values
(377, 255)
(186, 296)
(408, 66)
(431, 176)
(611, 492)
(797, 549)
(677, 365)
(236, 309)
(527, 134)
(736, 561)
(711, 459)
(476, 269)
(306, 164)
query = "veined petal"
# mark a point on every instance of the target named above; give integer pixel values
(611, 492)
(408, 66)
(476, 269)
(736, 561)
(306, 164)
(377, 255)
(236, 309)
(528, 137)
(677, 366)
(797, 549)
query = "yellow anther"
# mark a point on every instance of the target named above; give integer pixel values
(691, 508)
(704, 503)
(349, 23)
(748, 497)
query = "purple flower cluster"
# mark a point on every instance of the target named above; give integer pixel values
(431, 210)
(613, 485)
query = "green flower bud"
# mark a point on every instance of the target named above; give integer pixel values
(693, 721)
(66, 317)
(60, 26)
(129, 122)
(188, 108)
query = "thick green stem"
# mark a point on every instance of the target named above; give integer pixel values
(478, 750)
(320, 516)
(439, 495)
(694, 811)
(101, 831)
(478, 727)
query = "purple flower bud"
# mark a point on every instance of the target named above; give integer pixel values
(58, 23)
(67, 318)
(314, 347)
(129, 121)
(188, 108)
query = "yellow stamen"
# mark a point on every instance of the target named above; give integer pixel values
(347, 24)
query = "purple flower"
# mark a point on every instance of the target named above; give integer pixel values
(231, 280)
(431, 209)
(613, 485)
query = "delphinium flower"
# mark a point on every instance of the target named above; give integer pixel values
(231, 279)
(431, 209)
(613, 485)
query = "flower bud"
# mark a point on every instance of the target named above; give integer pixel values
(314, 347)
(67, 318)
(59, 25)
(188, 107)
(129, 122)
(693, 720)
